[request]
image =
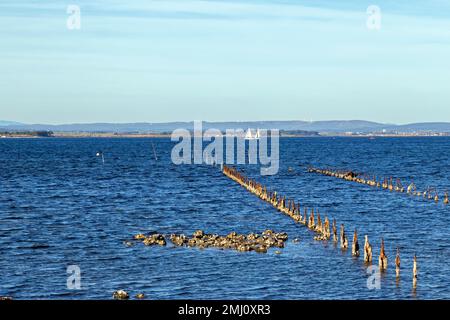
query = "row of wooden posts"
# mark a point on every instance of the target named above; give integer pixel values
(323, 230)
(391, 184)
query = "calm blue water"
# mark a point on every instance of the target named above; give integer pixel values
(59, 206)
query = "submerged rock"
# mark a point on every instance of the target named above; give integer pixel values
(128, 243)
(267, 233)
(139, 236)
(261, 249)
(155, 239)
(121, 295)
(281, 236)
(232, 235)
(252, 236)
(178, 240)
(5, 298)
(199, 234)
(140, 296)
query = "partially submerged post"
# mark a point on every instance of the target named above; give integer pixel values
(397, 263)
(355, 245)
(383, 260)
(344, 241)
(411, 188)
(311, 223)
(335, 238)
(326, 228)
(415, 272)
(318, 227)
(367, 251)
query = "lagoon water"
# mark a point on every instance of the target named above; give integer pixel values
(60, 206)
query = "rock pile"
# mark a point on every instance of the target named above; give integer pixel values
(234, 241)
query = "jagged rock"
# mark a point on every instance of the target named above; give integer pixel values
(268, 233)
(155, 239)
(5, 298)
(320, 238)
(139, 236)
(261, 249)
(149, 241)
(192, 242)
(232, 235)
(199, 234)
(252, 236)
(243, 248)
(178, 240)
(279, 244)
(121, 295)
(281, 236)
(161, 242)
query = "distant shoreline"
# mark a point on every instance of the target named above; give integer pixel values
(62, 135)
(295, 127)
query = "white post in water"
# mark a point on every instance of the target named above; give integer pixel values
(100, 154)
(154, 152)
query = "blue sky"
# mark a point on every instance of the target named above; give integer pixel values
(166, 60)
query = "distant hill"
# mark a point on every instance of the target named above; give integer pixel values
(335, 126)
(9, 123)
(426, 126)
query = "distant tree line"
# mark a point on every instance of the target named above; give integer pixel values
(27, 133)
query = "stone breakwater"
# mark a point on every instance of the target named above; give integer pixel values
(240, 242)
(323, 229)
(391, 184)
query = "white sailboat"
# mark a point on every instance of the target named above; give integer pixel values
(250, 136)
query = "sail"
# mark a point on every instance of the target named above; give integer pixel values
(248, 135)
